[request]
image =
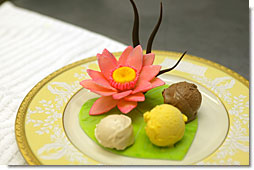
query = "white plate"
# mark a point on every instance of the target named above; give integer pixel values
(47, 127)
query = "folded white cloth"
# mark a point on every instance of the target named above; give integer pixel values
(31, 47)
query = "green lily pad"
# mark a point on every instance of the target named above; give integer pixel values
(142, 148)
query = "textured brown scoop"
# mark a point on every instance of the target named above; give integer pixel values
(185, 96)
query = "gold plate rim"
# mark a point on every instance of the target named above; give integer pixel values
(20, 133)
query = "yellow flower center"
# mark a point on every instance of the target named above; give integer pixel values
(124, 74)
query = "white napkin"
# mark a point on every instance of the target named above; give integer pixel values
(31, 47)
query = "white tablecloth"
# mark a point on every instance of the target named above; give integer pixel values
(31, 47)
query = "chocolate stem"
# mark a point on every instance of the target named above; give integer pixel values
(135, 35)
(169, 69)
(150, 41)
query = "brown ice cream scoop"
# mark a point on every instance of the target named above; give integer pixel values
(185, 96)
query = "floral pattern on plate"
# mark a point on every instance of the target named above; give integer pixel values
(45, 104)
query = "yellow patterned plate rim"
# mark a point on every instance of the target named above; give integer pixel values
(20, 133)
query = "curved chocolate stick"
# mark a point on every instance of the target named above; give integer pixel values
(150, 41)
(135, 34)
(169, 69)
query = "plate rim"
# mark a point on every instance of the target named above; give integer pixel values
(20, 133)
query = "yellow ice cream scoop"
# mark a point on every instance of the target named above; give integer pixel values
(165, 125)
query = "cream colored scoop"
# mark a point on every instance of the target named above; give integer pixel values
(115, 131)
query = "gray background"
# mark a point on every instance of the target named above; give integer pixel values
(217, 30)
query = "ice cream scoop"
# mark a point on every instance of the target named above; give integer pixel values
(115, 131)
(185, 96)
(164, 125)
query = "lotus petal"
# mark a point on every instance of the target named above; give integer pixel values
(148, 59)
(157, 82)
(142, 86)
(107, 62)
(99, 78)
(102, 105)
(137, 97)
(120, 95)
(124, 56)
(96, 88)
(126, 106)
(149, 72)
(135, 58)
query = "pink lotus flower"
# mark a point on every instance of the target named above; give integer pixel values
(122, 83)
